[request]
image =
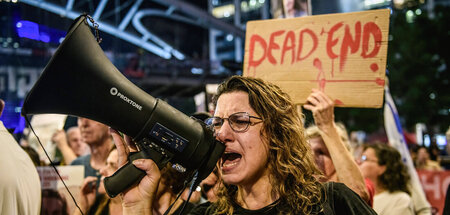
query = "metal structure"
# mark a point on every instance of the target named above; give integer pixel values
(135, 10)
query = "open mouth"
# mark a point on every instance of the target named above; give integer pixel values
(230, 159)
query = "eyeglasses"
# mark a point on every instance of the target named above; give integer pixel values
(239, 121)
(364, 159)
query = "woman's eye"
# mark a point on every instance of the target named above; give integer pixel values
(241, 121)
(216, 123)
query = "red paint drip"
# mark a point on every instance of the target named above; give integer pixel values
(332, 68)
(318, 64)
(338, 102)
(374, 67)
(379, 81)
(322, 32)
(321, 81)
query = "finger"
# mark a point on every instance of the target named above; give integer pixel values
(151, 180)
(148, 165)
(131, 144)
(308, 107)
(320, 96)
(89, 179)
(88, 184)
(323, 98)
(122, 148)
(312, 100)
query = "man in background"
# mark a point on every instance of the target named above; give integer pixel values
(99, 140)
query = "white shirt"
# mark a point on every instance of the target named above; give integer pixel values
(20, 188)
(398, 202)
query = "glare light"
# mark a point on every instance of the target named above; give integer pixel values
(432, 96)
(410, 16)
(16, 45)
(61, 39)
(44, 38)
(196, 71)
(34, 31)
(229, 37)
(261, 1)
(418, 11)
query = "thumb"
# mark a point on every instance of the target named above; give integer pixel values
(148, 165)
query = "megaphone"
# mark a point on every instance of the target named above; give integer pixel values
(80, 80)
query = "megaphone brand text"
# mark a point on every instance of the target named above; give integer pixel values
(116, 92)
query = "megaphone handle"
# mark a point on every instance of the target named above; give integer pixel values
(128, 175)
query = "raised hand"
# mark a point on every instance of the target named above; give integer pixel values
(322, 108)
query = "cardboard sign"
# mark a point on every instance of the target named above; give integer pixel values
(435, 185)
(73, 177)
(343, 55)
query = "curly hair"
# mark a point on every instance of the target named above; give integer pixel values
(395, 177)
(290, 163)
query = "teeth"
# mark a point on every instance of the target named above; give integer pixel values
(228, 164)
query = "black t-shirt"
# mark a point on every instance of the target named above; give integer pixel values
(189, 206)
(339, 200)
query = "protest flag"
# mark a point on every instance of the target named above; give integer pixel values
(396, 139)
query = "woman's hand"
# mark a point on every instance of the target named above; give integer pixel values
(88, 192)
(137, 199)
(322, 108)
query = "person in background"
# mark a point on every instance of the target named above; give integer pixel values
(423, 161)
(33, 155)
(94, 203)
(75, 141)
(383, 165)
(70, 144)
(267, 167)
(99, 140)
(331, 148)
(53, 203)
(20, 187)
(290, 8)
(445, 154)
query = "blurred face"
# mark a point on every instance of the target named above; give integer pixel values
(246, 154)
(52, 206)
(288, 4)
(422, 155)
(322, 157)
(368, 164)
(110, 168)
(92, 132)
(75, 141)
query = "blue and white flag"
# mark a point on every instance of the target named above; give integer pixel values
(397, 140)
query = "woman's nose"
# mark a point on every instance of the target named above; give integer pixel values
(225, 131)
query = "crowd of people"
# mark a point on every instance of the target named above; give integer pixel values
(272, 164)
